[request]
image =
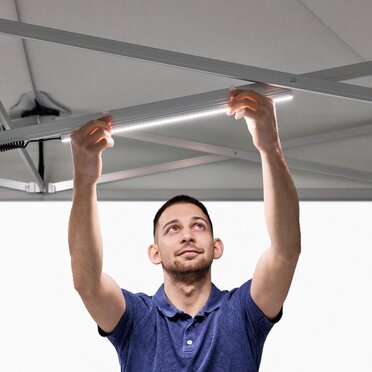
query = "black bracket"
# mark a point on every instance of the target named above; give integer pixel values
(39, 110)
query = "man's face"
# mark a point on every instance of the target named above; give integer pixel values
(184, 240)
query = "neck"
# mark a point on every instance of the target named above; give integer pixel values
(188, 292)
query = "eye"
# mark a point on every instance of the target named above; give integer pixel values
(200, 226)
(172, 228)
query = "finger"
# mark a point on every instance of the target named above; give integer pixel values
(106, 118)
(245, 94)
(251, 95)
(103, 122)
(103, 144)
(233, 92)
(242, 104)
(98, 134)
(247, 114)
(82, 134)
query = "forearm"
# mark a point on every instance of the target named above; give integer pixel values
(85, 240)
(281, 204)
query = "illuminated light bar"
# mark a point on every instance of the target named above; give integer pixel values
(136, 117)
(119, 126)
(169, 120)
(283, 98)
(212, 111)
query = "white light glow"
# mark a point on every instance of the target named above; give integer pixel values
(120, 127)
(283, 98)
(65, 138)
(169, 120)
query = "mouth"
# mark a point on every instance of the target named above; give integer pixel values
(189, 252)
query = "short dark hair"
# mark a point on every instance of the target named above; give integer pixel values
(181, 199)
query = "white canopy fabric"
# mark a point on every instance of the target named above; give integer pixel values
(325, 130)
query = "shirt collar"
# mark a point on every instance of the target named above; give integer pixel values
(213, 303)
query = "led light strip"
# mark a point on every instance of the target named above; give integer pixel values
(121, 127)
(137, 117)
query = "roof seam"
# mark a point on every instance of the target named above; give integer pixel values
(333, 32)
(26, 51)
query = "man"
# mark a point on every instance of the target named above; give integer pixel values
(189, 324)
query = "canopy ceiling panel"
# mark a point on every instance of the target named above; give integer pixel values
(326, 138)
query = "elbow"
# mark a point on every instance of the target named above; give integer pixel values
(85, 279)
(83, 287)
(295, 250)
(84, 290)
(295, 245)
(297, 253)
(79, 286)
(290, 253)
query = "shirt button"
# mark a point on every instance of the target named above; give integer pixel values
(189, 329)
(189, 342)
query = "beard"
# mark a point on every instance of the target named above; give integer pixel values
(188, 271)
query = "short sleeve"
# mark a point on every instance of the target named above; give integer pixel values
(136, 306)
(257, 320)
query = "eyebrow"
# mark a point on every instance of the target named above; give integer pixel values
(194, 218)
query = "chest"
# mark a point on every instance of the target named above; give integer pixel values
(216, 341)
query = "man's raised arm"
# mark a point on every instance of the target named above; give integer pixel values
(100, 293)
(274, 271)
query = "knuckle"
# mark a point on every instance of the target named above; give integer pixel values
(100, 131)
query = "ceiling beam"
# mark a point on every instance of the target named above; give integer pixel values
(187, 61)
(341, 73)
(253, 156)
(143, 171)
(335, 135)
(288, 144)
(169, 106)
(135, 114)
(13, 185)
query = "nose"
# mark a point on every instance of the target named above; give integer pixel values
(187, 236)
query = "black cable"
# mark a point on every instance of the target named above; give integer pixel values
(41, 160)
(23, 144)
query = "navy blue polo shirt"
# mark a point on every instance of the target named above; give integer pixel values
(228, 334)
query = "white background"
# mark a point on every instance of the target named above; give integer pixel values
(327, 317)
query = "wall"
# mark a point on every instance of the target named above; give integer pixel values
(45, 327)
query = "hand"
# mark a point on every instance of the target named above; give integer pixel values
(259, 113)
(87, 144)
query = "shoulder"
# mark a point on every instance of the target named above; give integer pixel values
(241, 298)
(138, 305)
(137, 300)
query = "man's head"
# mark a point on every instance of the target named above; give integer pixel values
(181, 199)
(183, 239)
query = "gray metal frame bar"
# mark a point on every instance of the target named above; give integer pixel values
(135, 114)
(330, 136)
(219, 153)
(341, 73)
(144, 171)
(14, 185)
(208, 65)
(231, 153)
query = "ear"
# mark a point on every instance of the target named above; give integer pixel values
(153, 253)
(217, 248)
